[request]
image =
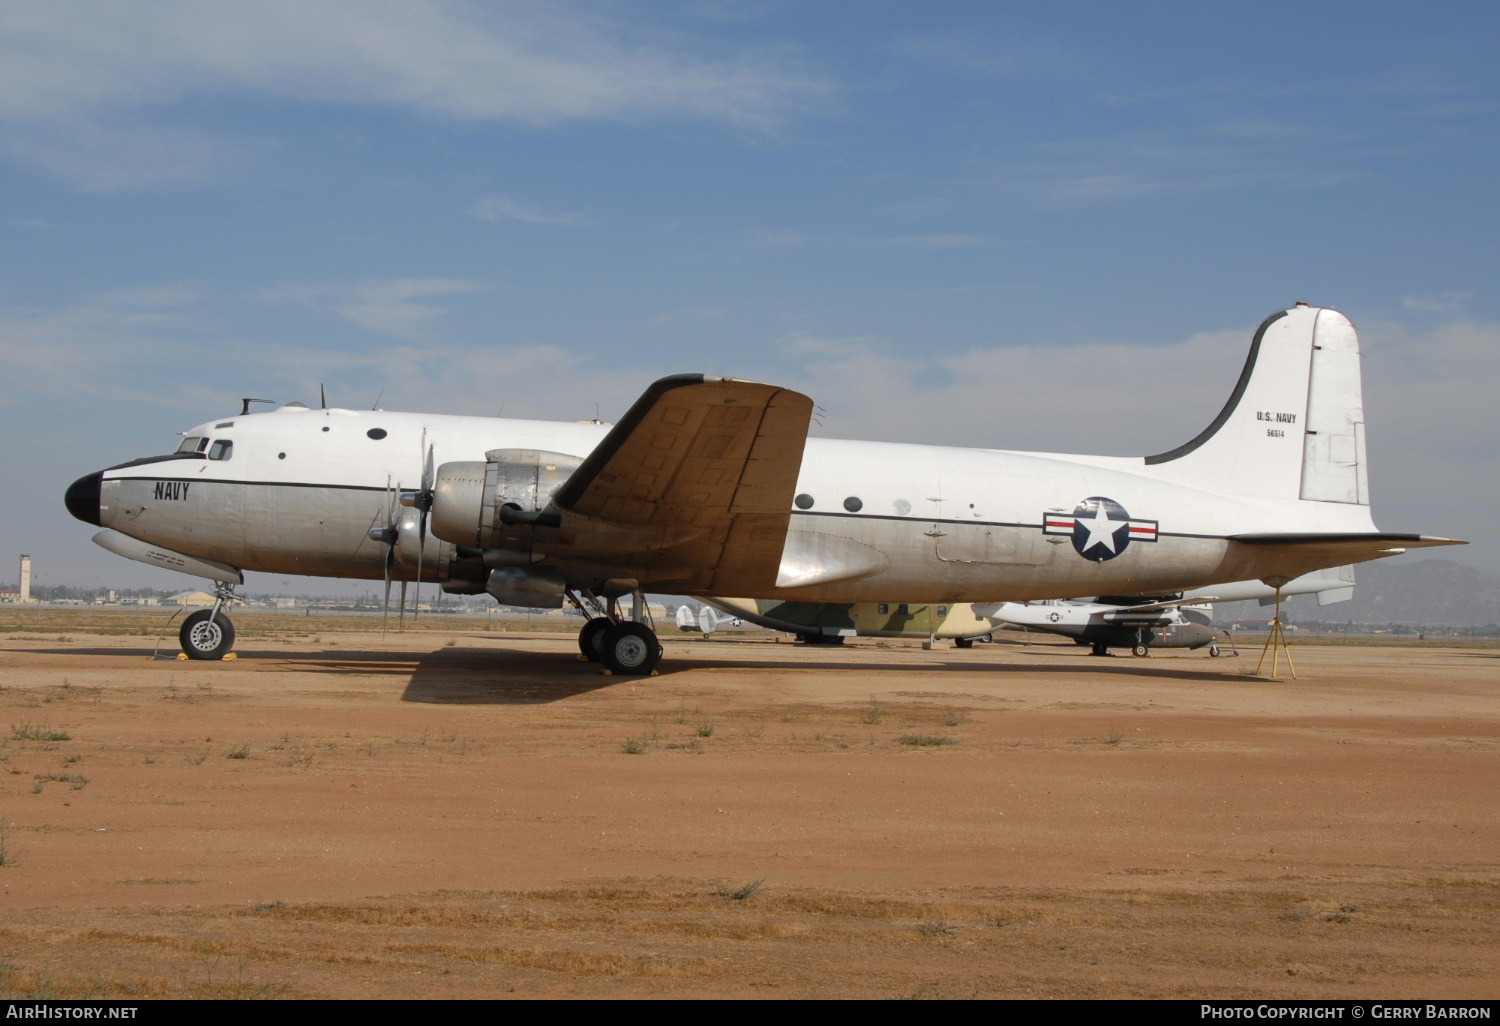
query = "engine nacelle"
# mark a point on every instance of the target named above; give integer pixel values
(472, 501)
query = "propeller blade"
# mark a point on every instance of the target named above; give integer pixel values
(416, 611)
(385, 606)
(401, 616)
(390, 551)
(424, 503)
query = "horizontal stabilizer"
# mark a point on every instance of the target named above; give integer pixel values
(1292, 555)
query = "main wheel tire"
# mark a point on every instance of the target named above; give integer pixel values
(1098, 649)
(964, 642)
(630, 649)
(591, 638)
(205, 639)
(1213, 651)
(1139, 650)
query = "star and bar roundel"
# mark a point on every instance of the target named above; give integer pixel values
(1100, 528)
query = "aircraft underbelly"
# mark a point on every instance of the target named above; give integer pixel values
(917, 573)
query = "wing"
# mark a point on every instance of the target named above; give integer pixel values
(1157, 607)
(693, 486)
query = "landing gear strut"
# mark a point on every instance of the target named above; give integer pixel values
(629, 648)
(208, 633)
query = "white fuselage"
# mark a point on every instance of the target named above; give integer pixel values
(301, 489)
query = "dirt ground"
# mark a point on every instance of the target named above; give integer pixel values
(464, 812)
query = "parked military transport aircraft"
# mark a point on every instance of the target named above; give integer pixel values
(710, 486)
(1102, 625)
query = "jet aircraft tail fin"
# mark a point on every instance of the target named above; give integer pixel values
(1294, 426)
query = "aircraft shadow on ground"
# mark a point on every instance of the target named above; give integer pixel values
(499, 676)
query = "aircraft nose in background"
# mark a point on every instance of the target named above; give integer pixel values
(82, 498)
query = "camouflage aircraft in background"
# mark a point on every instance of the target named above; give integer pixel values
(829, 623)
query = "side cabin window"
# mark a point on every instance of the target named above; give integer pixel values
(193, 443)
(221, 450)
(883, 608)
(901, 610)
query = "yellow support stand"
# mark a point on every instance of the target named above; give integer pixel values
(1276, 645)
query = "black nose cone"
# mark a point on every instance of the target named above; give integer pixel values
(82, 498)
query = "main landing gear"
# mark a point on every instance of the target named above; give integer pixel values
(628, 648)
(208, 633)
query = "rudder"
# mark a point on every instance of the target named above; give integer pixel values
(1293, 427)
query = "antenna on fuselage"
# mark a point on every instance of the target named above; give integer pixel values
(322, 397)
(378, 396)
(245, 404)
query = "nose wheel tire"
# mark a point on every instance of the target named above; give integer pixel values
(205, 638)
(591, 638)
(1139, 650)
(629, 649)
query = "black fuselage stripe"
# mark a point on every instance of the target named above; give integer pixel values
(796, 512)
(260, 484)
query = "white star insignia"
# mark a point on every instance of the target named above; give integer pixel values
(1101, 529)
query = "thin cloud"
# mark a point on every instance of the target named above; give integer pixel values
(71, 72)
(397, 307)
(1212, 159)
(1445, 304)
(791, 239)
(495, 208)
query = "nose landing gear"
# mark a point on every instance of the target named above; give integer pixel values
(208, 633)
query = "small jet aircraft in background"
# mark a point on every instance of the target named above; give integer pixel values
(710, 486)
(1141, 624)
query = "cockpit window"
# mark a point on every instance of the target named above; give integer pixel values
(221, 450)
(193, 443)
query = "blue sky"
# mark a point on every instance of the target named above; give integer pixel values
(1008, 225)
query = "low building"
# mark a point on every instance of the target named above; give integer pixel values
(189, 598)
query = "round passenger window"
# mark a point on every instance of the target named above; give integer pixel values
(375, 433)
(804, 501)
(853, 505)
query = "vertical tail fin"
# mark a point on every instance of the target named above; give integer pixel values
(1293, 427)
